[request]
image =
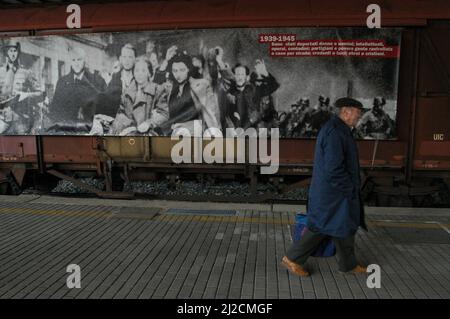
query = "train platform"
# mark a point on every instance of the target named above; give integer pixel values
(160, 249)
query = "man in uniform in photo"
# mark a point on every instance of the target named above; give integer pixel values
(20, 95)
(321, 115)
(291, 121)
(376, 123)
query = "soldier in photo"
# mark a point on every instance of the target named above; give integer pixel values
(306, 113)
(282, 122)
(293, 120)
(321, 115)
(299, 124)
(376, 123)
(21, 97)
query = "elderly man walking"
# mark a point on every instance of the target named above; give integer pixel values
(335, 208)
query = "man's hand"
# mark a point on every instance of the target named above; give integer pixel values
(144, 127)
(219, 58)
(116, 67)
(260, 68)
(169, 55)
(171, 52)
(219, 54)
(231, 98)
(25, 95)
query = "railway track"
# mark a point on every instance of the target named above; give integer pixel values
(197, 198)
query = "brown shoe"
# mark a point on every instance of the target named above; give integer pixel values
(294, 268)
(357, 270)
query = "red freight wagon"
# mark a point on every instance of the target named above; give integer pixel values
(416, 163)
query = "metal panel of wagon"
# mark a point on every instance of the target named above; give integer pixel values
(71, 152)
(432, 150)
(432, 133)
(127, 148)
(17, 155)
(18, 149)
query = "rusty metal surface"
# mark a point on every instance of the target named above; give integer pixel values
(127, 147)
(161, 149)
(18, 171)
(432, 109)
(3, 176)
(224, 13)
(432, 121)
(386, 153)
(433, 129)
(299, 151)
(70, 149)
(18, 149)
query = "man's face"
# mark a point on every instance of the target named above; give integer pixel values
(127, 58)
(180, 72)
(354, 115)
(153, 60)
(150, 48)
(240, 75)
(141, 73)
(12, 53)
(377, 107)
(305, 104)
(78, 63)
(196, 62)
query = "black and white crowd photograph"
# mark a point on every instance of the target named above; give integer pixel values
(152, 83)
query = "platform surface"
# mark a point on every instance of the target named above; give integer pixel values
(158, 249)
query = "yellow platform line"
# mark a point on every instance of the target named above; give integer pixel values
(263, 220)
(50, 212)
(230, 219)
(420, 225)
(209, 218)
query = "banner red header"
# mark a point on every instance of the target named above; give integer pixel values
(329, 48)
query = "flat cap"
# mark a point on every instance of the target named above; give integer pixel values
(349, 102)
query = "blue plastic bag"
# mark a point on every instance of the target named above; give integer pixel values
(326, 247)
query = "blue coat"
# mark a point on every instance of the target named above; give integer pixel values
(335, 207)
